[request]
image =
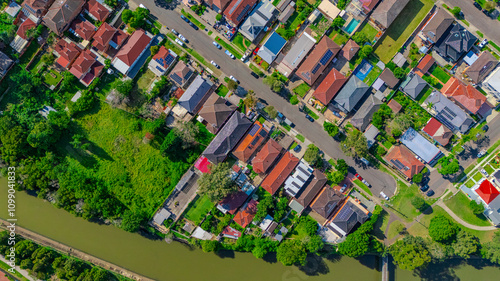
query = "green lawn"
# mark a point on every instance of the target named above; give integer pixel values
(387, 144)
(261, 119)
(144, 82)
(193, 19)
(459, 204)
(495, 45)
(311, 113)
(300, 137)
(369, 31)
(198, 209)
(393, 232)
(425, 94)
(489, 169)
(401, 202)
(52, 77)
(372, 76)
(477, 177)
(363, 186)
(440, 74)
(229, 47)
(470, 183)
(257, 70)
(402, 28)
(222, 90)
(339, 37)
(494, 164)
(302, 89)
(173, 46)
(241, 42)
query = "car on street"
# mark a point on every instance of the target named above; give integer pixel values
(358, 177)
(214, 64)
(179, 42)
(424, 188)
(481, 153)
(229, 54)
(234, 79)
(343, 188)
(193, 25)
(430, 193)
(183, 38)
(142, 6)
(384, 195)
(366, 183)
(486, 12)
(175, 32)
(477, 5)
(485, 128)
(297, 148)
(255, 75)
(483, 43)
(185, 19)
(308, 117)
(216, 45)
(483, 171)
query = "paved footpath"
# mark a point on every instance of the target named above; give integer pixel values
(441, 204)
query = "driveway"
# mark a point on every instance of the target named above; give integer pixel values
(200, 41)
(488, 26)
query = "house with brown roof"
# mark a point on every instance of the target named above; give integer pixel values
(389, 79)
(403, 160)
(436, 26)
(215, 112)
(467, 97)
(309, 192)
(96, 10)
(313, 66)
(246, 213)
(481, 68)
(424, 65)
(280, 172)
(330, 86)
(249, 144)
(238, 10)
(61, 13)
(36, 9)
(67, 51)
(181, 74)
(108, 37)
(368, 5)
(438, 131)
(387, 11)
(128, 56)
(162, 61)
(82, 28)
(363, 117)
(350, 49)
(395, 106)
(218, 5)
(232, 202)
(86, 67)
(268, 154)
(325, 203)
(5, 64)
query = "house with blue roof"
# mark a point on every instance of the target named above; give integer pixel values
(270, 50)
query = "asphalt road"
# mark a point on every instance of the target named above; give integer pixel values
(488, 26)
(202, 43)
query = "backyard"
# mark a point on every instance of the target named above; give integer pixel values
(222, 90)
(339, 37)
(198, 209)
(241, 42)
(402, 28)
(302, 89)
(369, 31)
(439, 73)
(400, 201)
(50, 76)
(372, 76)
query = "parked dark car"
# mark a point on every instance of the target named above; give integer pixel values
(308, 117)
(185, 19)
(478, 6)
(486, 13)
(193, 25)
(485, 128)
(430, 193)
(297, 148)
(255, 75)
(424, 188)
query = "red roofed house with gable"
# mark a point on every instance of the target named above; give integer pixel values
(83, 29)
(281, 171)
(86, 67)
(314, 64)
(266, 156)
(404, 160)
(96, 10)
(438, 131)
(67, 51)
(128, 56)
(487, 191)
(108, 37)
(25, 26)
(467, 97)
(249, 144)
(246, 213)
(238, 10)
(330, 86)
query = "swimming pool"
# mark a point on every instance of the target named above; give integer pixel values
(351, 26)
(363, 70)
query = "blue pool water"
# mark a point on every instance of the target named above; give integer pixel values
(351, 26)
(363, 70)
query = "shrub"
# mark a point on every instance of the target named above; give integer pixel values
(294, 100)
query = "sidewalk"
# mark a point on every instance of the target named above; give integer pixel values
(23, 272)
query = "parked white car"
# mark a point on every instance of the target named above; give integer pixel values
(229, 54)
(216, 45)
(179, 42)
(234, 79)
(214, 64)
(183, 38)
(483, 43)
(384, 196)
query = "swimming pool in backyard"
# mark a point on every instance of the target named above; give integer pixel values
(351, 26)
(363, 70)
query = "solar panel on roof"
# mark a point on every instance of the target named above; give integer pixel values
(344, 214)
(316, 68)
(159, 68)
(169, 59)
(446, 115)
(254, 130)
(263, 133)
(255, 141)
(243, 13)
(398, 164)
(188, 73)
(449, 111)
(326, 57)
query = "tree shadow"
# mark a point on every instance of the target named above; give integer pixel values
(166, 4)
(428, 211)
(370, 261)
(270, 257)
(99, 152)
(315, 265)
(377, 231)
(225, 254)
(483, 142)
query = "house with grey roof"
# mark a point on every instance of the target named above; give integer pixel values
(436, 26)
(297, 53)
(287, 13)
(413, 85)
(312, 187)
(258, 20)
(448, 113)
(387, 11)
(371, 134)
(456, 43)
(326, 201)
(196, 94)
(348, 218)
(5, 64)
(420, 146)
(364, 115)
(351, 94)
(181, 74)
(215, 112)
(227, 138)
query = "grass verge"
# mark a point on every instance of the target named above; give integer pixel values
(228, 47)
(193, 19)
(459, 204)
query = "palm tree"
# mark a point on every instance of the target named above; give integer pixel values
(30, 33)
(430, 105)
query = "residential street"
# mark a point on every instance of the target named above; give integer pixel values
(489, 27)
(202, 43)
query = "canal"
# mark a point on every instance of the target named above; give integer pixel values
(176, 261)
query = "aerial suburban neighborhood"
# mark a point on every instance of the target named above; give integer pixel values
(294, 130)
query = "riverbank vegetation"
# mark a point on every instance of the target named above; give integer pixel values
(45, 263)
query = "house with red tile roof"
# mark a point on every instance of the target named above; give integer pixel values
(230, 232)
(232, 202)
(107, 36)
(249, 144)
(218, 5)
(330, 86)
(128, 56)
(86, 67)
(403, 160)
(162, 61)
(467, 97)
(368, 5)
(96, 10)
(238, 10)
(280, 172)
(438, 131)
(424, 65)
(67, 51)
(36, 9)
(350, 49)
(246, 213)
(266, 156)
(25, 26)
(83, 28)
(487, 191)
(313, 66)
